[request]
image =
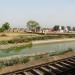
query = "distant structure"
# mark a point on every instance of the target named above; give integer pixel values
(61, 30)
(16, 30)
(42, 30)
(65, 30)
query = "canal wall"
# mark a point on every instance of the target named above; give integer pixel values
(53, 41)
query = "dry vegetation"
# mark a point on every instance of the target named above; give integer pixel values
(9, 36)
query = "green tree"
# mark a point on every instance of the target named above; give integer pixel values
(69, 28)
(1, 30)
(73, 28)
(33, 26)
(62, 27)
(56, 28)
(5, 26)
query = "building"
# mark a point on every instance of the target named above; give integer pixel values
(16, 30)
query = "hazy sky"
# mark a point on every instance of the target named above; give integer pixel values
(46, 12)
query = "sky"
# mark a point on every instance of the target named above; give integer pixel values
(47, 12)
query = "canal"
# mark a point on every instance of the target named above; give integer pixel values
(35, 49)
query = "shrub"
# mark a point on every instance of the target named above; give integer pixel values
(14, 61)
(21, 39)
(70, 49)
(3, 42)
(11, 41)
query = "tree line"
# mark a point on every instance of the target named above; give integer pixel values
(31, 25)
(34, 26)
(69, 28)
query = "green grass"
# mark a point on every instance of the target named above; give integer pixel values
(17, 48)
(61, 52)
(24, 59)
(28, 38)
(15, 40)
(14, 61)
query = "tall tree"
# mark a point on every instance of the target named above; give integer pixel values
(33, 26)
(5, 26)
(56, 28)
(69, 28)
(62, 27)
(73, 28)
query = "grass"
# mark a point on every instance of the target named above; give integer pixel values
(14, 61)
(20, 47)
(24, 59)
(61, 52)
(15, 40)
(11, 38)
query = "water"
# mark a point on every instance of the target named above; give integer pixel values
(48, 47)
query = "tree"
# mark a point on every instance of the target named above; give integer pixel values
(62, 27)
(73, 28)
(33, 26)
(5, 26)
(1, 30)
(69, 28)
(56, 28)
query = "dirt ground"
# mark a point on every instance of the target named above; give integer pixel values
(11, 35)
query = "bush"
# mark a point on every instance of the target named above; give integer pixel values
(3, 42)
(70, 49)
(44, 37)
(14, 61)
(16, 40)
(61, 52)
(11, 41)
(21, 40)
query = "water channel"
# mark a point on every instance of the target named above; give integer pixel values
(47, 47)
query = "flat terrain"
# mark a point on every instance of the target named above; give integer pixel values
(45, 59)
(9, 36)
(12, 35)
